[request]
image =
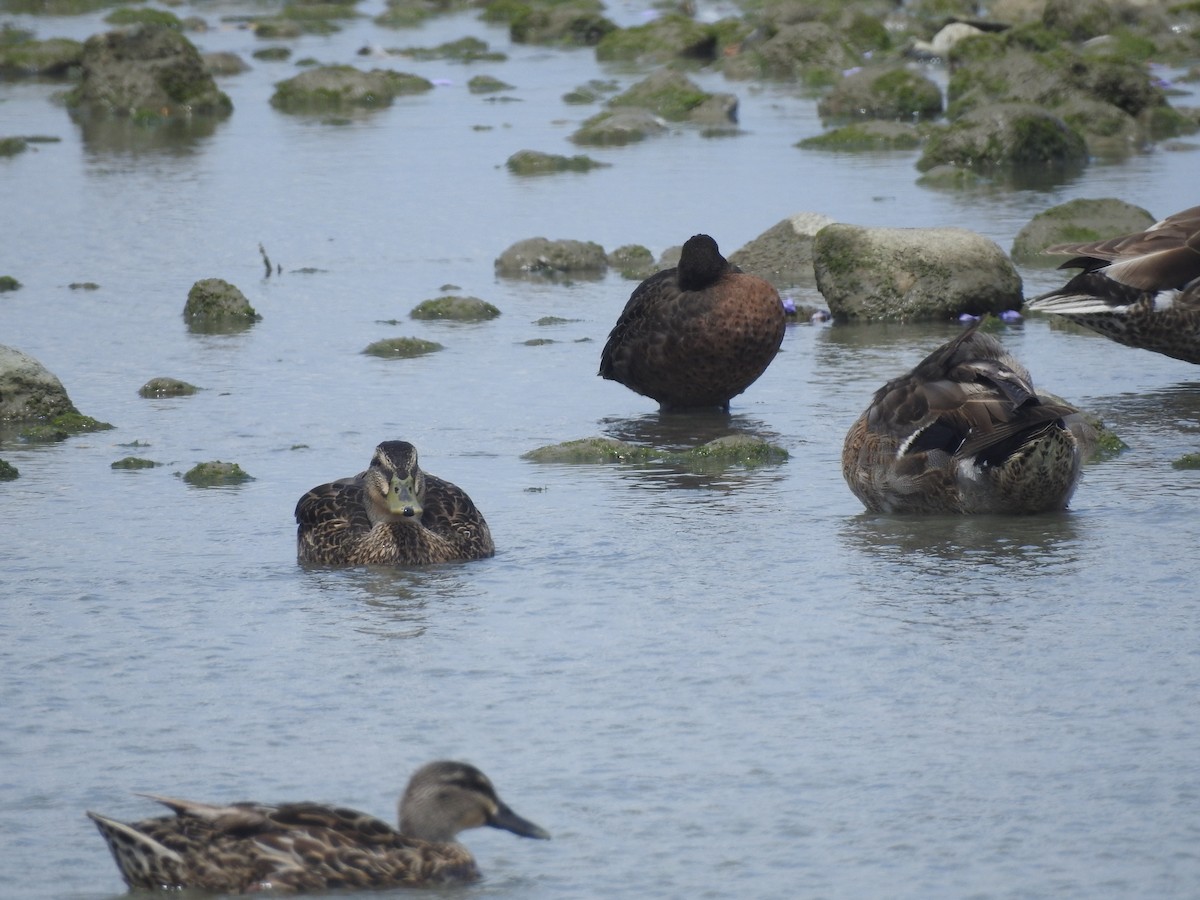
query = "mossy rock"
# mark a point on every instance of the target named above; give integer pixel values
(53, 58)
(467, 49)
(554, 320)
(1076, 221)
(277, 29)
(216, 474)
(28, 390)
(225, 63)
(272, 54)
(459, 309)
(633, 261)
(132, 15)
(134, 462)
(532, 162)
(486, 84)
(811, 53)
(593, 451)
(167, 387)
(865, 136)
(61, 427)
(671, 95)
(328, 88)
(8, 472)
(617, 128)
(318, 11)
(402, 348)
(891, 92)
(668, 38)
(11, 146)
(8, 283)
(540, 257)
(214, 299)
(1187, 461)
(568, 24)
(716, 455)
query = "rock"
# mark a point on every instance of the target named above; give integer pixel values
(134, 462)
(28, 390)
(216, 473)
(711, 457)
(8, 472)
(166, 387)
(567, 25)
(337, 87)
(486, 84)
(1076, 221)
(459, 309)
(402, 348)
(539, 256)
(216, 300)
(146, 73)
(531, 162)
(891, 92)
(868, 135)
(676, 98)
(227, 63)
(912, 274)
(633, 261)
(811, 53)
(7, 282)
(783, 254)
(614, 128)
(665, 39)
(1008, 138)
(53, 58)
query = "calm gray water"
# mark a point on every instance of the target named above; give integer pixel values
(703, 685)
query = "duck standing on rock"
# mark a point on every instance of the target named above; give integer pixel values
(963, 432)
(250, 847)
(1140, 289)
(391, 514)
(696, 335)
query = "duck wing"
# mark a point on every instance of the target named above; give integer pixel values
(451, 513)
(340, 503)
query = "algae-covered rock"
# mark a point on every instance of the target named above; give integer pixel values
(147, 73)
(812, 53)
(8, 472)
(565, 24)
(166, 387)
(8, 283)
(664, 39)
(676, 98)
(614, 128)
(1187, 461)
(216, 300)
(53, 58)
(11, 146)
(459, 309)
(327, 88)
(591, 92)
(1076, 221)
(633, 261)
(532, 162)
(912, 274)
(134, 462)
(226, 63)
(594, 450)
(716, 455)
(486, 84)
(28, 390)
(129, 15)
(732, 450)
(1017, 140)
(402, 348)
(870, 135)
(216, 474)
(61, 427)
(882, 92)
(542, 257)
(783, 254)
(467, 49)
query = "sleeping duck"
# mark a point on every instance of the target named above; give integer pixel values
(963, 432)
(696, 335)
(250, 847)
(391, 514)
(1141, 289)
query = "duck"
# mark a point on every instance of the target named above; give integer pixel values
(696, 335)
(1140, 289)
(247, 847)
(392, 514)
(963, 432)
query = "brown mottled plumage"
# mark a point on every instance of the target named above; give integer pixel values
(1141, 289)
(696, 335)
(249, 847)
(963, 432)
(390, 514)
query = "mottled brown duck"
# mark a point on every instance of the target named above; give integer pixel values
(963, 432)
(696, 335)
(391, 514)
(1141, 289)
(241, 848)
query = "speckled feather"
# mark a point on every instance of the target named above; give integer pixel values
(250, 847)
(696, 335)
(346, 522)
(963, 432)
(1140, 289)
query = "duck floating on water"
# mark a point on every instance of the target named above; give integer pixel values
(1140, 289)
(963, 432)
(390, 514)
(243, 848)
(696, 335)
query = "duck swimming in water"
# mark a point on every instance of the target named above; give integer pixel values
(963, 432)
(1140, 289)
(390, 514)
(696, 335)
(244, 848)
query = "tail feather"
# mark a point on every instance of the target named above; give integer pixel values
(142, 861)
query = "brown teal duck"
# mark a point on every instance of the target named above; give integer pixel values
(242, 848)
(963, 432)
(391, 514)
(695, 335)
(1141, 289)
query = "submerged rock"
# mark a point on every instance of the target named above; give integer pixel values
(543, 257)
(337, 87)
(134, 462)
(614, 128)
(148, 72)
(8, 472)
(1076, 221)
(532, 162)
(216, 300)
(460, 309)
(402, 348)
(724, 452)
(912, 274)
(868, 135)
(166, 387)
(215, 474)
(676, 98)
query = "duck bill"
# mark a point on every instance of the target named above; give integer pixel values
(402, 501)
(505, 818)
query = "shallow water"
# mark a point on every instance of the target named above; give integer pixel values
(701, 684)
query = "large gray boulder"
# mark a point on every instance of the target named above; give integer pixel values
(1076, 221)
(783, 254)
(912, 274)
(28, 390)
